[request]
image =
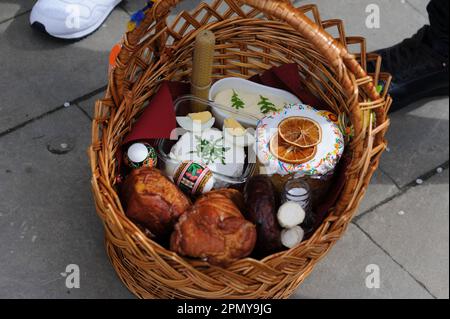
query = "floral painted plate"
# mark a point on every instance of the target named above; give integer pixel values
(329, 150)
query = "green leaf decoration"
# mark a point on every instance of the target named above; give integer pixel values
(266, 105)
(236, 101)
(209, 151)
(379, 88)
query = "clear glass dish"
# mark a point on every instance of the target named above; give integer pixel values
(184, 106)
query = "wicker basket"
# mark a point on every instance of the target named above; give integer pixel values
(253, 35)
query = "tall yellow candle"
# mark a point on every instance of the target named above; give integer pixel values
(202, 67)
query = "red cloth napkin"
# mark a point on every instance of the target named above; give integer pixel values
(287, 77)
(159, 119)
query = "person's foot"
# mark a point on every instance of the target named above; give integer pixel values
(70, 19)
(418, 69)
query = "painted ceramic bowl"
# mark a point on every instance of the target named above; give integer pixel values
(329, 150)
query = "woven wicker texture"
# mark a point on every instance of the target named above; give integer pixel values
(252, 36)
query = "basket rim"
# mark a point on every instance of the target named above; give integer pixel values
(333, 223)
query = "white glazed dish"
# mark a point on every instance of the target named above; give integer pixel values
(246, 119)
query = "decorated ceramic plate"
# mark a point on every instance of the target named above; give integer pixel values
(325, 155)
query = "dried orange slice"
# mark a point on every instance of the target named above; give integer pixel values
(300, 131)
(289, 153)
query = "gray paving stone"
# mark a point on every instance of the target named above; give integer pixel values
(418, 141)
(397, 20)
(47, 215)
(89, 105)
(380, 189)
(420, 5)
(342, 273)
(40, 73)
(417, 238)
(132, 6)
(12, 8)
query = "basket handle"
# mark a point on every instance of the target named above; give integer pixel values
(334, 51)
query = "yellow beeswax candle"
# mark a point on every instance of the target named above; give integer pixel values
(202, 67)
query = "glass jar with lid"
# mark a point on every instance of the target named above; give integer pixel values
(298, 190)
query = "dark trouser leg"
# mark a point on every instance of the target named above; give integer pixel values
(438, 11)
(419, 65)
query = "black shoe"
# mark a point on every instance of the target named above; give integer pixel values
(418, 71)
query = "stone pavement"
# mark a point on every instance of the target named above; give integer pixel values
(47, 217)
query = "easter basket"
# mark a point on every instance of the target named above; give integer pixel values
(252, 36)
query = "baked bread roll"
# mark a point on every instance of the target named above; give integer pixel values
(215, 230)
(153, 201)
